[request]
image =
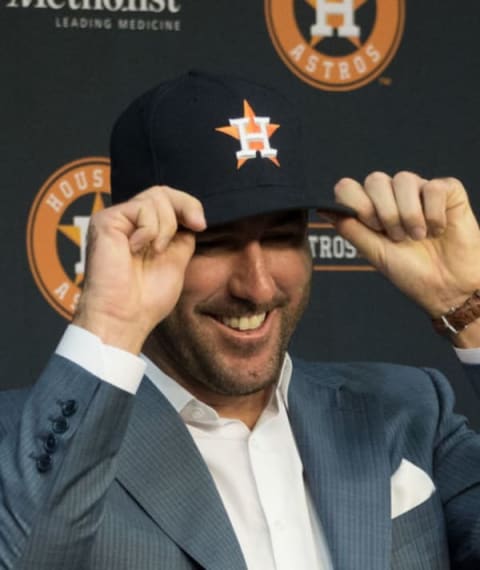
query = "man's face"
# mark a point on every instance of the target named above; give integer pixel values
(244, 291)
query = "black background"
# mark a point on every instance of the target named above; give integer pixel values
(63, 88)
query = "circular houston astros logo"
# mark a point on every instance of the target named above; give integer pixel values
(57, 229)
(336, 45)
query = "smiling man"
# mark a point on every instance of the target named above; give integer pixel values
(243, 293)
(215, 448)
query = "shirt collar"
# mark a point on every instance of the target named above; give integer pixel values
(182, 400)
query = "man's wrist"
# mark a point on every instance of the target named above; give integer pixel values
(112, 331)
(457, 318)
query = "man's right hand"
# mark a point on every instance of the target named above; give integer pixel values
(136, 259)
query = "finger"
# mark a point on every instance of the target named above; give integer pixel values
(406, 190)
(183, 247)
(189, 210)
(146, 226)
(180, 250)
(369, 243)
(160, 214)
(172, 208)
(350, 193)
(434, 195)
(378, 187)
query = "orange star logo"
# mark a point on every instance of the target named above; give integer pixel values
(77, 232)
(254, 135)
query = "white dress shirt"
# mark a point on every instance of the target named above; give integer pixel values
(259, 476)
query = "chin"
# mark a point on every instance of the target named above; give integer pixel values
(241, 380)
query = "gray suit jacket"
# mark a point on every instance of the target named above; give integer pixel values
(126, 488)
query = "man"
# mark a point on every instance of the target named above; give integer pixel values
(231, 455)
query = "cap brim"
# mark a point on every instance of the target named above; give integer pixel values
(225, 207)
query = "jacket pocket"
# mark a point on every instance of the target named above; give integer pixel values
(419, 540)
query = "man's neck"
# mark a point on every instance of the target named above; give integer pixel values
(247, 407)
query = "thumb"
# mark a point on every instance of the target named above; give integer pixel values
(182, 248)
(367, 241)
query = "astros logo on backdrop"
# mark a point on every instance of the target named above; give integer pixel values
(57, 229)
(336, 45)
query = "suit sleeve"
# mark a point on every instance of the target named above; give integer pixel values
(57, 462)
(457, 475)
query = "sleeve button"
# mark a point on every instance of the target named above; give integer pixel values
(44, 463)
(59, 425)
(69, 408)
(50, 444)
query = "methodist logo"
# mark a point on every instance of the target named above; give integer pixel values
(336, 45)
(57, 229)
(123, 15)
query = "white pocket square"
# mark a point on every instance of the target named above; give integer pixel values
(410, 487)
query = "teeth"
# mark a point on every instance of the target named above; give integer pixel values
(244, 323)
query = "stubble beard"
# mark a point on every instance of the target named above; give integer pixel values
(192, 359)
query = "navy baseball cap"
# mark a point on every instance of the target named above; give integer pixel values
(231, 143)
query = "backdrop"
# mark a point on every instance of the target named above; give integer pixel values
(380, 84)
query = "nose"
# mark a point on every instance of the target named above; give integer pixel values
(251, 278)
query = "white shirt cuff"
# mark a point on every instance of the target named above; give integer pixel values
(113, 365)
(468, 355)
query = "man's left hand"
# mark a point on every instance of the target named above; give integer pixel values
(422, 234)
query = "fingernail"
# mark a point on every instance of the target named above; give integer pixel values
(437, 232)
(135, 247)
(418, 233)
(160, 244)
(198, 218)
(397, 233)
(375, 224)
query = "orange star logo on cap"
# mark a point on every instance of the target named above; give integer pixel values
(254, 135)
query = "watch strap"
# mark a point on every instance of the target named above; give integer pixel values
(458, 318)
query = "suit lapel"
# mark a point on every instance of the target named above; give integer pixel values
(162, 468)
(340, 436)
